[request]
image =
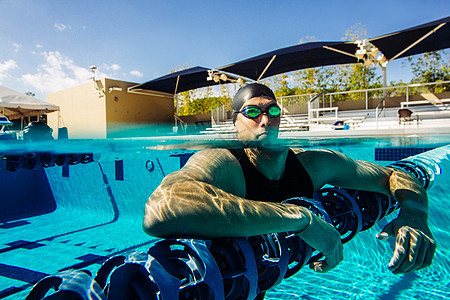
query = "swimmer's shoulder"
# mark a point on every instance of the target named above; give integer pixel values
(322, 165)
(218, 167)
(213, 158)
(315, 156)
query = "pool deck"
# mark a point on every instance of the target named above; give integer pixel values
(363, 123)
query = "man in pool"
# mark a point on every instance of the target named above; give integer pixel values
(238, 192)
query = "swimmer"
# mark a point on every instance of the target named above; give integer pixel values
(238, 192)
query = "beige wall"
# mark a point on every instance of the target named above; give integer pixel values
(131, 114)
(105, 109)
(82, 111)
(191, 119)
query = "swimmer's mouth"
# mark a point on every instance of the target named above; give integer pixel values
(266, 134)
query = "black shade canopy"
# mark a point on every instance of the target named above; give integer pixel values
(420, 39)
(177, 82)
(292, 58)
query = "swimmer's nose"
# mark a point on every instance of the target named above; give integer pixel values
(265, 120)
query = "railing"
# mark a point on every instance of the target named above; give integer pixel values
(394, 91)
(302, 101)
(378, 110)
(183, 124)
(219, 113)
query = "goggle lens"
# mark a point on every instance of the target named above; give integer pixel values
(274, 111)
(254, 111)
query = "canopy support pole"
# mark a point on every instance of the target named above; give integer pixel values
(339, 51)
(265, 69)
(418, 41)
(176, 98)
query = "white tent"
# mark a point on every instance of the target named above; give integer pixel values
(16, 105)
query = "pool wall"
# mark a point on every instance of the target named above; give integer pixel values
(58, 218)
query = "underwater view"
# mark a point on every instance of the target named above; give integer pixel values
(75, 204)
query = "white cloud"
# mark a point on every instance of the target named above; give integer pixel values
(112, 67)
(136, 73)
(17, 47)
(39, 46)
(61, 26)
(58, 72)
(115, 67)
(5, 67)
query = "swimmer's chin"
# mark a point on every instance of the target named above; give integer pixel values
(266, 143)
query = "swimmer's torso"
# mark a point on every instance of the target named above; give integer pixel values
(295, 181)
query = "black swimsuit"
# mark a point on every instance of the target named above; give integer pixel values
(295, 181)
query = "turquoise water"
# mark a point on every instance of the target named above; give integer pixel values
(94, 211)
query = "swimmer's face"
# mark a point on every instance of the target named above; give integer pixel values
(261, 128)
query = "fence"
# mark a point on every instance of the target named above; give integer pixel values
(385, 92)
(298, 104)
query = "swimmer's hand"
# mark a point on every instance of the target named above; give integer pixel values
(323, 237)
(414, 247)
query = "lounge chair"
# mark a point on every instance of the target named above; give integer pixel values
(405, 115)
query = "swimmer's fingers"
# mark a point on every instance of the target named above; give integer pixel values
(413, 251)
(326, 265)
(324, 238)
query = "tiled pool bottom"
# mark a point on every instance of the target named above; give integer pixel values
(98, 214)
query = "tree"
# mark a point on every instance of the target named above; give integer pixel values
(330, 78)
(431, 67)
(31, 94)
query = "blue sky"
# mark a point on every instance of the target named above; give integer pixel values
(48, 45)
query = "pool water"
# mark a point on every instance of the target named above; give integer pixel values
(57, 218)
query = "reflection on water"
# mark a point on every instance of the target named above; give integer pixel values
(205, 141)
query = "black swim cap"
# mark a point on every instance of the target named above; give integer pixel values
(247, 92)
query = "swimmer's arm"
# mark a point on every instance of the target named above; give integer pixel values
(334, 168)
(205, 199)
(415, 245)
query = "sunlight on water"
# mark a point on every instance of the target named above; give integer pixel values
(91, 190)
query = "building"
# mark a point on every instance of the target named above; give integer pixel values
(106, 109)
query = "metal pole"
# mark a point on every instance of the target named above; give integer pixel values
(384, 81)
(309, 112)
(281, 104)
(367, 100)
(176, 97)
(376, 118)
(407, 93)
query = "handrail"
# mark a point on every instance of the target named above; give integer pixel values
(377, 114)
(178, 118)
(315, 97)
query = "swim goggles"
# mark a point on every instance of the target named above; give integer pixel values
(253, 111)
